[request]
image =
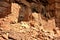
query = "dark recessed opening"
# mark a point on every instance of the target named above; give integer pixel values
(29, 1)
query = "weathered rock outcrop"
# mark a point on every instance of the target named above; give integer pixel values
(18, 24)
(5, 8)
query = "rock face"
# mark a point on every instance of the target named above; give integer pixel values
(28, 21)
(57, 12)
(27, 7)
(54, 9)
(5, 9)
(32, 6)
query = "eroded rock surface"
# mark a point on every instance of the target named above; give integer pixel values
(34, 29)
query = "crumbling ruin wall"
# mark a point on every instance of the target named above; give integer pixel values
(53, 9)
(27, 7)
